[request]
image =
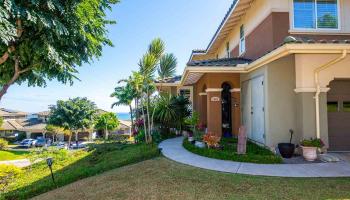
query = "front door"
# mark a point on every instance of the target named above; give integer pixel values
(258, 112)
(253, 109)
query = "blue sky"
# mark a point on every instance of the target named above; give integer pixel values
(184, 25)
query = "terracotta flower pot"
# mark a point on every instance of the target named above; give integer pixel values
(310, 153)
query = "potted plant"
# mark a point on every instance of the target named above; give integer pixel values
(190, 137)
(287, 149)
(309, 148)
(198, 137)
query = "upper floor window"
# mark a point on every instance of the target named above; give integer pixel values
(316, 14)
(241, 40)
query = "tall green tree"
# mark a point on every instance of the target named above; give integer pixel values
(45, 40)
(107, 122)
(148, 65)
(75, 115)
(125, 95)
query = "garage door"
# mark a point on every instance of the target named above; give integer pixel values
(339, 115)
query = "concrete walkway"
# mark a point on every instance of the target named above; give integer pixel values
(174, 150)
(18, 163)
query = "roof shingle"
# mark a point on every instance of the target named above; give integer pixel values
(227, 62)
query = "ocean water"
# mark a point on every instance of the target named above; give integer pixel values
(124, 116)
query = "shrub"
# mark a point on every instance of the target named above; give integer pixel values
(3, 143)
(140, 136)
(198, 136)
(8, 174)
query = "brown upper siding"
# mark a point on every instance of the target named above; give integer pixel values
(270, 34)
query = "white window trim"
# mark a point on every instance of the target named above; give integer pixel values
(241, 41)
(316, 28)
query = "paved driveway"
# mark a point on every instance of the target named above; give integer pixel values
(174, 150)
(18, 163)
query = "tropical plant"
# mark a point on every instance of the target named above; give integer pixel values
(45, 40)
(74, 115)
(148, 65)
(125, 95)
(193, 121)
(107, 122)
(167, 68)
(211, 140)
(171, 111)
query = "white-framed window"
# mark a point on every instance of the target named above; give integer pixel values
(241, 40)
(316, 14)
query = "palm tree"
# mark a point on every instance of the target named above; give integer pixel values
(148, 65)
(125, 95)
(167, 67)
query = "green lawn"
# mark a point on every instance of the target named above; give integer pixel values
(255, 153)
(72, 166)
(160, 178)
(12, 155)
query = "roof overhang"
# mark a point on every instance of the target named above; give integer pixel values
(231, 20)
(192, 74)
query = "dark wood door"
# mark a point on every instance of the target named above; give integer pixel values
(339, 115)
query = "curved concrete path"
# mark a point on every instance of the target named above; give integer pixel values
(174, 150)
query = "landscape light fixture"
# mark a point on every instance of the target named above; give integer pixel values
(49, 162)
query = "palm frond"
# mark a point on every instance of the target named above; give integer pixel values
(167, 66)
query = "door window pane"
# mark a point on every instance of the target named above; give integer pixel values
(327, 14)
(332, 107)
(304, 14)
(346, 106)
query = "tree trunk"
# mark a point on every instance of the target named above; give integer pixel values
(132, 117)
(148, 118)
(70, 139)
(106, 134)
(144, 122)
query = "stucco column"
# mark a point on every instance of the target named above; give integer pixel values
(214, 115)
(236, 110)
(306, 119)
(28, 134)
(202, 107)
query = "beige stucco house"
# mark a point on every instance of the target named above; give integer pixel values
(272, 66)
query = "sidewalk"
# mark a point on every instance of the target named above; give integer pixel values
(174, 150)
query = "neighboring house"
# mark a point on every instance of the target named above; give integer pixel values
(124, 127)
(12, 114)
(276, 65)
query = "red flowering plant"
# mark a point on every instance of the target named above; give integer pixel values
(211, 140)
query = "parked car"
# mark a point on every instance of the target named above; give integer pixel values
(40, 142)
(80, 145)
(28, 143)
(60, 145)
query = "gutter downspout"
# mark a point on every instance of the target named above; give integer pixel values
(318, 89)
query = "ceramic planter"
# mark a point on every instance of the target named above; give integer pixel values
(286, 149)
(190, 139)
(309, 153)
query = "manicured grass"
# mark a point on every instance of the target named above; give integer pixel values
(255, 153)
(12, 155)
(72, 166)
(160, 178)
